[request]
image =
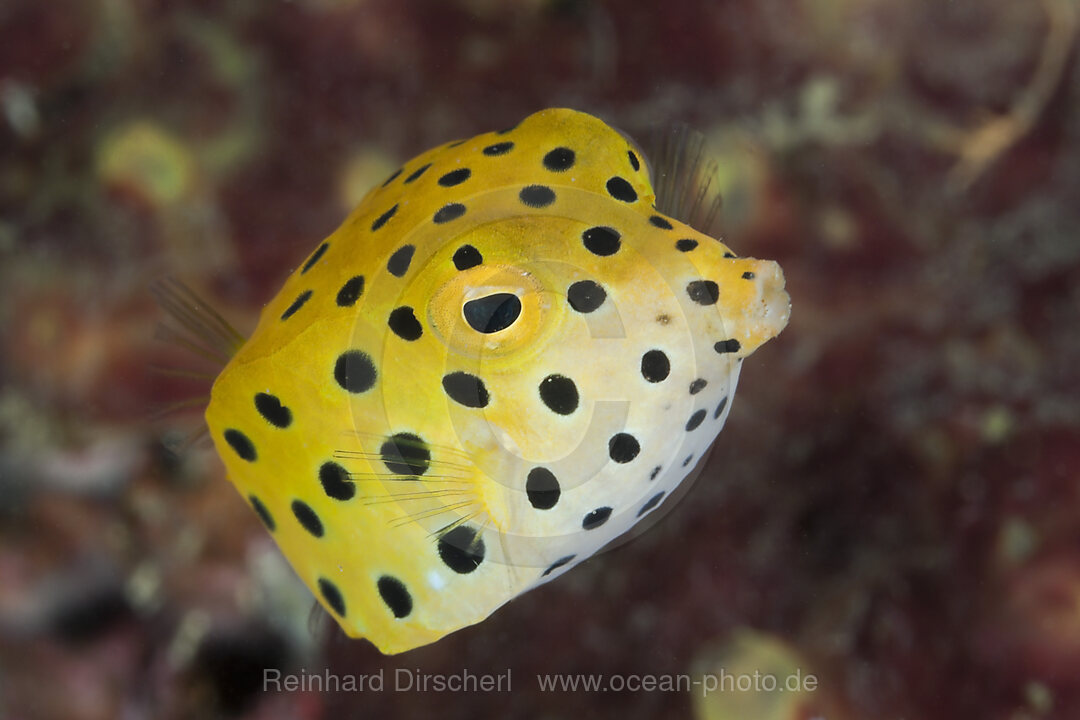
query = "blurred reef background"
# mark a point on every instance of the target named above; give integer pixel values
(894, 505)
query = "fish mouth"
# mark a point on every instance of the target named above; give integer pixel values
(764, 307)
(775, 301)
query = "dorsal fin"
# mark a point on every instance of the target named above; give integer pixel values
(684, 177)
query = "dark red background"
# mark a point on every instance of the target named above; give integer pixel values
(897, 494)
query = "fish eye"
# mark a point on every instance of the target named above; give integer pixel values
(492, 313)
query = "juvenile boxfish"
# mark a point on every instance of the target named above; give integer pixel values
(503, 359)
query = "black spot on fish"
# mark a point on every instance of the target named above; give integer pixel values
(399, 262)
(417, 173)
(315, 256)
(393, 176)
(297, 304)
(703, 292)
(466, 257)
(448, 212)
(354, 371)
(381, 220)
(720, 408)
(498, 148)
(623, 447)
(542, 488)
(695, 420)
(655, 366)
(394, 593)
(462, 549)
(651, 503)
(465, 389)
(558, 564)
(455, 177)
(263, 513)
(622, 190)
(270, 407)
(335, 481)
(404, 323)
(536, 196)
(559, 393)
(307, 518)
(241, 444)
(585, 296)
(332, 596)
(559, 159)
(601, 240)
(406, 454)
(351, 291)
(596, 518)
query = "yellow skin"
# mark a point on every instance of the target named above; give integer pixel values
(405, 541)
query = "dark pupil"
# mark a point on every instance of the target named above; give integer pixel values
(492, 313)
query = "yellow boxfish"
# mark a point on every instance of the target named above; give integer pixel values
(502, 360)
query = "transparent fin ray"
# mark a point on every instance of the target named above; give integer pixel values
(683, 174)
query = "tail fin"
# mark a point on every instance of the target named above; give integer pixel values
(205, 332)
(194, 325)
